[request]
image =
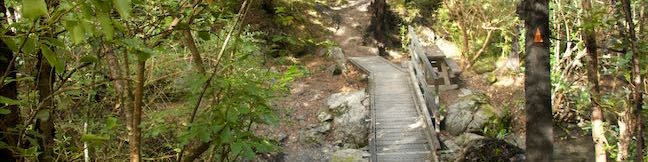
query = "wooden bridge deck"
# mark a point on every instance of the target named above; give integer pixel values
(398, 131)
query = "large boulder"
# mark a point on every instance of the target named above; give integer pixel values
(336, 54)
(470, 114)
(349, 155)
(350, 117)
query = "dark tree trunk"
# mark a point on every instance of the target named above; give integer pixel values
(8, 121)
(539, 124)
(637, 82)
(378, 24)
(44, 122)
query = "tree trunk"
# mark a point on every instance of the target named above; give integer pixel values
(44, 120)
(539, 124)
(598, 131)
(637, 82)
(116, 76)
(195, 55)
(9, 90)
(378, 22)
(135, 139)
(196, 148)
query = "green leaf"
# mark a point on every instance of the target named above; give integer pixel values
(248, 152)
(111, 122)
(8, 101)
(264, 146)
(123, 7)
(33, 9)
(4, 111)
(55, 42)
(77, 34)
(236, 147)
(52, 59)
(226, 135)
(106, 26)
(87, 27)
(269, 118)
(31, 45)
(137, 45)
(11, 43)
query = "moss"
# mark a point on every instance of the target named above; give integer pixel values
(491, 78)
(485, 66)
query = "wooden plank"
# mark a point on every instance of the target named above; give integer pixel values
(395, 120)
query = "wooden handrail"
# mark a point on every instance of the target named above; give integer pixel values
(424, 72)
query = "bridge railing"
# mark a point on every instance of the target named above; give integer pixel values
(422, 73)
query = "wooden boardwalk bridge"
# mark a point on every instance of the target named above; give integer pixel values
(403, 104)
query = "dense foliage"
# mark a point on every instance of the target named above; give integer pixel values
(164, 77)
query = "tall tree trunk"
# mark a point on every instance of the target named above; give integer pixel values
(44, 121)
(135, 139)
(598, 131)
(377, 25)
(195, 55)
(637, 80)
(9, 90)
(631, 116)
(539, 124)
(116, 76)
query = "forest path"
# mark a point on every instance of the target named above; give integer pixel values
(354, 18)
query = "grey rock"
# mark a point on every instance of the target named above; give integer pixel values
(336, 54)
(322, 128)
(515, 140)
(324, 116)
(466, 138)
(349, 117)
(465, 92)
(470, 114)
(459, 115)
(349, 155)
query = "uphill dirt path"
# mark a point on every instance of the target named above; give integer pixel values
(354, 20)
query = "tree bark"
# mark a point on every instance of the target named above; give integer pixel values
(539, 124)
(196, 148)
(377, 24)
(195, 55)
(10, 90)
(44, 120)
(637, 82)
(598, 130)
(116, 76)
(135, 139)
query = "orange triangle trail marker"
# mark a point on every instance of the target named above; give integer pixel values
(537, 36)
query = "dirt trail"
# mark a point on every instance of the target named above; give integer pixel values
(355, 18)
(308, 95)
